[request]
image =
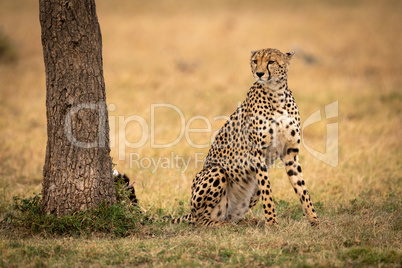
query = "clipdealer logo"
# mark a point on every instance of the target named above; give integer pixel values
(148, 133)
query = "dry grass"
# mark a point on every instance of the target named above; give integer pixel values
(194, 55)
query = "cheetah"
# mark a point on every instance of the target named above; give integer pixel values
(266, 126)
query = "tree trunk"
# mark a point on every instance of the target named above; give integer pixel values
(77, 174)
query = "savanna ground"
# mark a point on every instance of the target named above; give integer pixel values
(194, 55)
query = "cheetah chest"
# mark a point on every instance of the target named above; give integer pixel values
(283, 132)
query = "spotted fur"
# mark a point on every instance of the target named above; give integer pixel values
(265, 127)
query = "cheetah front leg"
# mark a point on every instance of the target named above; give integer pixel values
(266, 195)
(295, 175)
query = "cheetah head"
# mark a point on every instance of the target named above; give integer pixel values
(270, 66)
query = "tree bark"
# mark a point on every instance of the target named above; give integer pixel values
(77, 174)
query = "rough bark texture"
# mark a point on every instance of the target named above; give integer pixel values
(78, 168)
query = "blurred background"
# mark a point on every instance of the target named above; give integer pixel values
(195, 55)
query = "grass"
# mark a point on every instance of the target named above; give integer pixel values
(336, 242)
(194, 55)
(118, 220)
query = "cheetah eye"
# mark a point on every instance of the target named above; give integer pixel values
(255, 61)
(270, 62)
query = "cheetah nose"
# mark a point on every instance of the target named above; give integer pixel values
(260, 74)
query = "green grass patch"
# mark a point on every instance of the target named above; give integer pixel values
(370, 256)
(118, 220)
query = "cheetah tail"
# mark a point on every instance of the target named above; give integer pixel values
(185, 218)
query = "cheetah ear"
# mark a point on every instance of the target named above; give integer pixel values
(290, 55)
